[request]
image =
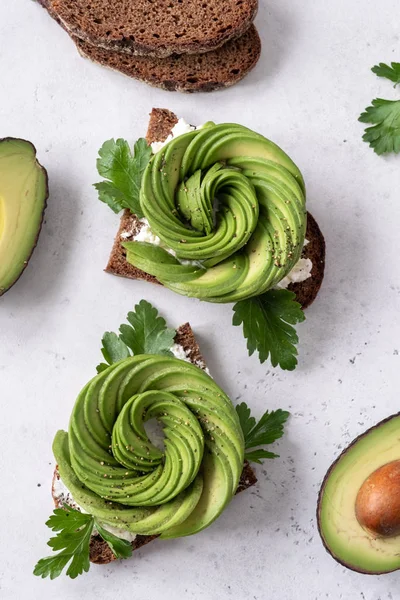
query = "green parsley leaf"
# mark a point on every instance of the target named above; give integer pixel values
(267, 326)
(113, 350)
(123, 172)
(392, 73)
(147, 332)
(257, 456)
(268, 429)
(120, 548)
(67, 519)
(73, 539)
(384, 136)
(247, 422)
(110, 195)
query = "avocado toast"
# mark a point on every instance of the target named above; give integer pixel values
(110, 470)
(160, 126)
(253, 238)
(100, 551)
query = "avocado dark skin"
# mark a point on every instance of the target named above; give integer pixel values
(23, 197)
(345, 536)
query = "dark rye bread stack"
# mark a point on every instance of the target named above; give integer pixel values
(160, 125)
(100, 551)
(178, 45)
(186, 72)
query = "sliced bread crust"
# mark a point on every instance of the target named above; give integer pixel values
(158, 28)
(188, 73)
(100, 551)
(160, 125)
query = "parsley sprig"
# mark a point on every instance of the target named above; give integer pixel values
(391, 72)
(147, 333)
(268, 326)
(384, 115)
(123, 172)
(268, 429)
(73, 540)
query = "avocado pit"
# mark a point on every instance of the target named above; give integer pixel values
(377, 504)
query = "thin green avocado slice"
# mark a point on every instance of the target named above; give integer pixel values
(23, 195)
(223, 278)
(216, 495)
(158, 262)
(344, 538)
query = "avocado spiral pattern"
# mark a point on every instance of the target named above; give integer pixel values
(115, 472)
(230, 205)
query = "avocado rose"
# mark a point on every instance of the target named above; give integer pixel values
(117, 474)
(229, 208)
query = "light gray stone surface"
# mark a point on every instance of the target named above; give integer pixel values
(312, 82)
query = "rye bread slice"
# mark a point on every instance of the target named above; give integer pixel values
(100, 551)
(189, 73)
(157, 27)
(160, 125)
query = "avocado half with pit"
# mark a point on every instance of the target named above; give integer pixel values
(23, 196)
(359, 502)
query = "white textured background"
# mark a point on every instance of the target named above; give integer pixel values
(306, 93)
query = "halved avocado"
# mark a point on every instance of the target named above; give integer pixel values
(359, 502)
(23, 195)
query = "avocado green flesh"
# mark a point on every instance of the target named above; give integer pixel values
(158, 262)
(343, 536)
(214, 499)
(23, 194)
(113, 470)
(229, 200)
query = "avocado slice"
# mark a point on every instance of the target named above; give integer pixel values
(23, 196)
(368, 471)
